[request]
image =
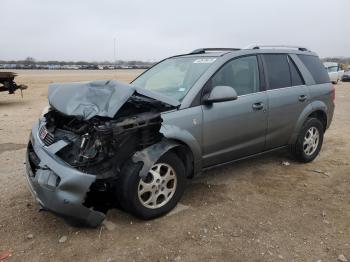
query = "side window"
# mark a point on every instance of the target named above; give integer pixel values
(242, 74)
(315, 67)
(278, 74)
(297, 79)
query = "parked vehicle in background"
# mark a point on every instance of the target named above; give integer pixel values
(346, 76)
(334, 71)
(105, 144)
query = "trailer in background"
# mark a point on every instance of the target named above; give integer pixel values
(7, 83)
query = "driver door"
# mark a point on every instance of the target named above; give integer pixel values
(234, 129)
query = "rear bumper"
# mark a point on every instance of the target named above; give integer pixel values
(330, 114)
(56, 186)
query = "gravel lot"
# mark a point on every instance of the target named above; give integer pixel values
(255, 210)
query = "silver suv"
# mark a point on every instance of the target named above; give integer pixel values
(105, 144)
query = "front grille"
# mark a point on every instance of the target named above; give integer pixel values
(45, 136)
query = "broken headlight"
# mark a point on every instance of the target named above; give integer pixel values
(45, 111)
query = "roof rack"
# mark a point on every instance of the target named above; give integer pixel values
(215, 49)
(255, 46)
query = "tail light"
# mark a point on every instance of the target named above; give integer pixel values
(333, 93)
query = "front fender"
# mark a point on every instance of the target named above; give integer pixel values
(308, 110)
(185, 137)
(150, 155)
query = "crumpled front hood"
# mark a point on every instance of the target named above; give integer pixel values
(97, 98)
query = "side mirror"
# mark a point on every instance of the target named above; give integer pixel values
(221, 94)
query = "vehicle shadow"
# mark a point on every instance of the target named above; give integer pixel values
(208, 189)
(230, 169)
(213, 186)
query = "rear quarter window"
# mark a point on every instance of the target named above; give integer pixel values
(316, 68)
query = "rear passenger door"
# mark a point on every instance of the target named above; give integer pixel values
(287, 97)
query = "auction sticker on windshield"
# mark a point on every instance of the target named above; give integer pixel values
(204, 61)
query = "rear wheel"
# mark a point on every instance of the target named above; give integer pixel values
(309, 141)
(156, 193)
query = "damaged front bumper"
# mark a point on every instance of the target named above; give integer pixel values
(56, 186)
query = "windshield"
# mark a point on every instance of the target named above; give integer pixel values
(175, 76)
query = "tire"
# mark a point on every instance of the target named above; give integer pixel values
(148, 204)
(308, 151)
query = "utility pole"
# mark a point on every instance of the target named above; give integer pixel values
(114, 56)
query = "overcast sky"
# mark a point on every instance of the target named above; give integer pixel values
(154, 29)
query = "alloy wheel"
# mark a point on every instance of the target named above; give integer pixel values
(311, 140)
(158, 187)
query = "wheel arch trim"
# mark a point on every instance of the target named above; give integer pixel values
(313, 107)
(150, 155)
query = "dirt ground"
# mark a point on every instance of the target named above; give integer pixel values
(255, 210)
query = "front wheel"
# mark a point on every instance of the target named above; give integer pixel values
(157, 193)
(309, 140)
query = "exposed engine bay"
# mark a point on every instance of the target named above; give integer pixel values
(101, 145)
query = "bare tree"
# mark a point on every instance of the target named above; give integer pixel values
(29, 61)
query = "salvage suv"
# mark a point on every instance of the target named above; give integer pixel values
(105, 144)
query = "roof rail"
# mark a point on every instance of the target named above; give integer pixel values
(255, 46)
(212, 49)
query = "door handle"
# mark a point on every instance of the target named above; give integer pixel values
(302, 98)
(258, 106)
